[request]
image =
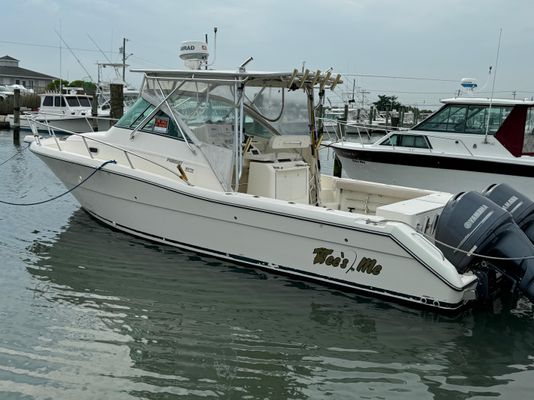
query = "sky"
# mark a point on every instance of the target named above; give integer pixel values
(417, 50)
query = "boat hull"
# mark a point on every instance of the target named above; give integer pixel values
(274, 235)
(434, 172)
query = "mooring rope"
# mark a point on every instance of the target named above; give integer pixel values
(62, 194)
(14, 155)
(472, 253)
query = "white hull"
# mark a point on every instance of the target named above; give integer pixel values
(446, 180)
(299, 240)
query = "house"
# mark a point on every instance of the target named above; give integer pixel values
(11, 74)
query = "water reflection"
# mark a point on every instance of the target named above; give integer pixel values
(148, 320)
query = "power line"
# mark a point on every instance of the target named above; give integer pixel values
(418, 78)
(49, 46)
(447, 92)
(150, 62)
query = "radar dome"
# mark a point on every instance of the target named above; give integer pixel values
(194, 54)
(469, 83)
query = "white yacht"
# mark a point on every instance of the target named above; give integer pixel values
(64, 112)
(468, 144)
(225, 163)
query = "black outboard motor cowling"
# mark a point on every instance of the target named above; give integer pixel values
(472, 223)
(516, 203)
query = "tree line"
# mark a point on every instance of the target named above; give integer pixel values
(389, 103)
(88, 87)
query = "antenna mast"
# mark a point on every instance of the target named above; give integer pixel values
(124, 57)
(60, 66)
(74, 55)
(493, 87)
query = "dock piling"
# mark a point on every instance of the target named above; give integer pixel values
(94, 112)
(117, 100)
(16, 116)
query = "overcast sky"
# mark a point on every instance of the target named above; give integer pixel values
(440, 40)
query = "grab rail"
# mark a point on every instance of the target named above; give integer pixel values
(85, 140)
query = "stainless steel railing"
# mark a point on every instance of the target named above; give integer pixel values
(128, 154)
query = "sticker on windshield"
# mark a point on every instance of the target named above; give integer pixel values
(161, 125)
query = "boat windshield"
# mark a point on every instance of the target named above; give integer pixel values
(85, 101)
(73, 101)
(159, 124)
(469, 119)
(267, 111)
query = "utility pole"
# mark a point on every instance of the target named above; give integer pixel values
(124, 57)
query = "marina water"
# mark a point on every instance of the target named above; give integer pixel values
(91, 313)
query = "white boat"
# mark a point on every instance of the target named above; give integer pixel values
(224, 163)
(63, 112)
(468, 144)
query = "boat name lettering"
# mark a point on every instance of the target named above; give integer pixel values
(476, 215)
(325, 256)
(172, 160)
(369, 265)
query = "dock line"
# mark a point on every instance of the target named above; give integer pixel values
(62, 194)
(14, 155)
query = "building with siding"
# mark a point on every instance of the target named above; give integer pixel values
(11, 73)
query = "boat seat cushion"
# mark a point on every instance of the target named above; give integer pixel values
(366, 197)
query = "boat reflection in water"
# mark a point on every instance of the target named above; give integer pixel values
(148, 320)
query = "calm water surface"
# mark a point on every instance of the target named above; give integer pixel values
(91, 313)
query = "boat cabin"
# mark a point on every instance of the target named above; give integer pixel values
(247, 126)
(72, 102)
(510, 122)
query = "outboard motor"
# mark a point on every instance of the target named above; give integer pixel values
(517, 204)
(471, 223)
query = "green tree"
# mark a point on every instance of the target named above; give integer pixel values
(54, 85)
(385, 103)
(88, 87)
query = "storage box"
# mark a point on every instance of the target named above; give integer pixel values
(280, 180)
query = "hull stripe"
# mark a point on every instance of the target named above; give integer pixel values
(437, 161)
